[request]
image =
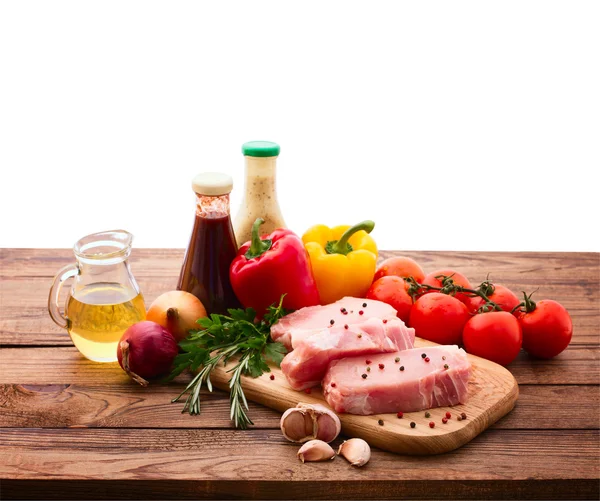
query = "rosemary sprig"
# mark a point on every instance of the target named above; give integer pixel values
(223, 337)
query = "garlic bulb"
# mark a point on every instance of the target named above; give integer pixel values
(356, 451)
(316, 450)
(309, 422)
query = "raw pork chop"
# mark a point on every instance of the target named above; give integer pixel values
(291, 329)
(306, 365)
(386, 388)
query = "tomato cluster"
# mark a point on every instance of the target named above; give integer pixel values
(488, 321)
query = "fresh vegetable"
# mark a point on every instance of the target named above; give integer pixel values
(309, 422)
(546, 325)
(146, 350)
(267, 268)
(400, 266)
(356, 451)
(343, 259)
(439, 318)
(238, 336)
(176, 311)
(447, 279)
(500, 295)
(316, 450)
(393, 291)
(495, 335)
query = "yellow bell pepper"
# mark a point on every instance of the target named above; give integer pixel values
(343, 259)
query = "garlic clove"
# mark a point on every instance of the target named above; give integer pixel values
(315, 450)
(328, 426)
(356, 451)
(296, 425)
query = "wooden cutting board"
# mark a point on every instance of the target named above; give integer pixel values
(493, 392)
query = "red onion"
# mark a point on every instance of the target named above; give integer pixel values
(146, 350)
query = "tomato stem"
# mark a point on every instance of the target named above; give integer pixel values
(527, 303)
(450, 288)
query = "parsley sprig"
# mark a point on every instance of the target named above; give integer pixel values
(222, 338)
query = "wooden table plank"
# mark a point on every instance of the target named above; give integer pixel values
(571, 278)
(117, 406)
(314, 489)
(132, 453)
(24, 319)
(253, 459)
(576, 365)
(130, 406)
(568, 267)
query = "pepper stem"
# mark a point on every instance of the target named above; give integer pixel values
(257, 246)
(342, 246)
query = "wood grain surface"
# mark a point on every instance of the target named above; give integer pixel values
(70, 427)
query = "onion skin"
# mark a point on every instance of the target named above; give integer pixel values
(176, 311)
(146, 351)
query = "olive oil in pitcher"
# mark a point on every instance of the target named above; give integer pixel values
(99, 314)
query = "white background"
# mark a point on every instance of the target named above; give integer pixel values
(454, 125)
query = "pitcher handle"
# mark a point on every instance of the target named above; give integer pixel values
(69, 271)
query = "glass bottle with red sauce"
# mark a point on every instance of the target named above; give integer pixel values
(212, 247)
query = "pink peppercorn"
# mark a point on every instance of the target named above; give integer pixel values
(448, 415)
(400, 415)
(381, 366)
(426, 359)
(367, 362)
(431, 424)
(333, 385)
(271, 377)
(444, 420)
(360, 312)
(307, 391)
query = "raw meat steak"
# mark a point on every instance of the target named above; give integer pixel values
(291, 329)
(421, 385)
(306, 365)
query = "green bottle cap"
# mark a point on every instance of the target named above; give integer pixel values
(260, 149)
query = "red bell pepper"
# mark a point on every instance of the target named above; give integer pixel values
(267, 267)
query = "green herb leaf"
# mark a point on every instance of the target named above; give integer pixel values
(220, 339)
(275, 352)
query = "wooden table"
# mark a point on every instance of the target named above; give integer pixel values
(72, 428)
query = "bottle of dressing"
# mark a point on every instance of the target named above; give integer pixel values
(260, 197)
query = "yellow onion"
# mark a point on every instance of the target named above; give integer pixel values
(176, 311)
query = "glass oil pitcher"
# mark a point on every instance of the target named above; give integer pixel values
(104, 299)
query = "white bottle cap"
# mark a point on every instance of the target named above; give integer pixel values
(212, 184)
